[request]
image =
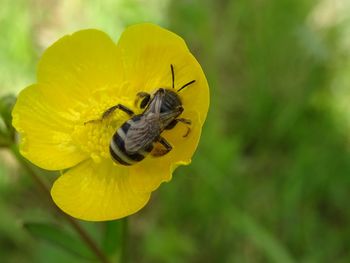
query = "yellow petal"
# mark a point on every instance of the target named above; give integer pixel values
(76, 76)
(147, 51)
(78, 68)
(45, 131)
(97, 192)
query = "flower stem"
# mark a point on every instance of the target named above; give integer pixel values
(75, 225)
(125, 241)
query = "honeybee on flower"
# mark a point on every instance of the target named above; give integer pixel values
(118, 118)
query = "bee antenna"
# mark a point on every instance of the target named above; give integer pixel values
(187, 84)
(172, 75)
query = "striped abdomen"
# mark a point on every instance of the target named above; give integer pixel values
(117, 146)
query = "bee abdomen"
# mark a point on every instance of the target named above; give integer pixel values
(117, 148)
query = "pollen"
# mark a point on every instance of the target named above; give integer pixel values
(94, 133)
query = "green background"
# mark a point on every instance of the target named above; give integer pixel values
(270, 181)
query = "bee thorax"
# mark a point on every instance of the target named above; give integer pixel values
(170, 101)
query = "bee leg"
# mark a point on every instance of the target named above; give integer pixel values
(121, 107)
(187, 132)
(171, 125)
(157, 152)
(144, 97)
(185, 121)
(182, 120)
(109, 111)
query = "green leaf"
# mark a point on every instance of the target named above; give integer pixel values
(261, 237)
(58, 236)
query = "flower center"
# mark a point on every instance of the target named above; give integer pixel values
(93, 133)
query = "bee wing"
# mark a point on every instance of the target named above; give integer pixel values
(141, 133)
(156, 103)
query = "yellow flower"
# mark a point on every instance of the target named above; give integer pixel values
(79, 77)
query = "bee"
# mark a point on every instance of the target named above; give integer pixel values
(141, 134)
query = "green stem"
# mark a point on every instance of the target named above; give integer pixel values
(125, 241)
(75, 225)
(4, 140)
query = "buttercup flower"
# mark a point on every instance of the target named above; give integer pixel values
(81, 76)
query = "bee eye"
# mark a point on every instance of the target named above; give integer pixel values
(144, 102)
(144, 97)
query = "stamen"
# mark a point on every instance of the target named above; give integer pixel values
(94, 137)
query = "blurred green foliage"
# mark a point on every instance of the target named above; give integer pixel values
(270, 180)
